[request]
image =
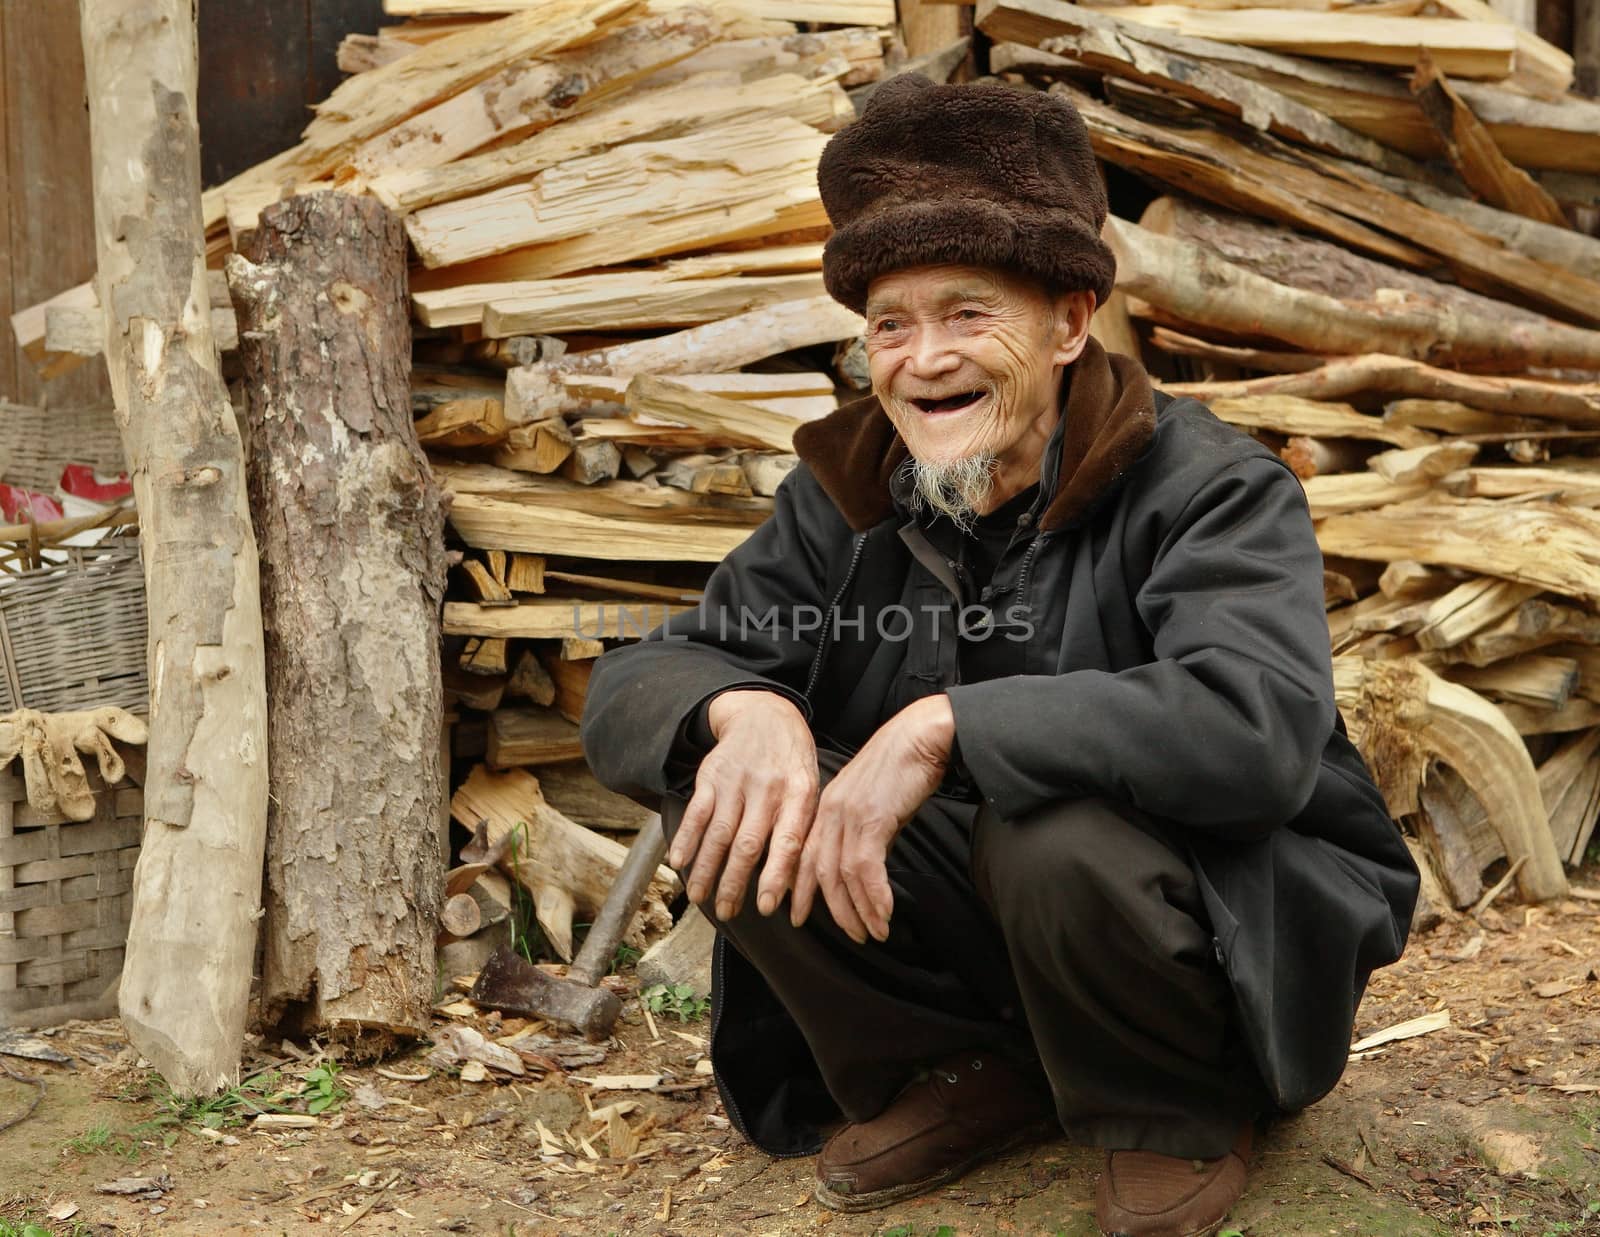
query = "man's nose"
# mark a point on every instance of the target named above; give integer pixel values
(932, 353)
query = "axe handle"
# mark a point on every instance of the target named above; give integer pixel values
(627, 891)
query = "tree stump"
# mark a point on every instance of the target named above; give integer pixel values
(350, 525)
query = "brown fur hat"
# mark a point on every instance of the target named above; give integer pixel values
(980, 175)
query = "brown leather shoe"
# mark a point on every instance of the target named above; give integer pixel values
(1143, 1194)
(965, 1110)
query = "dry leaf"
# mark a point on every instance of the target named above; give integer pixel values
(63, 1211)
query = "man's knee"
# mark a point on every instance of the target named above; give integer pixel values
(1082, 863)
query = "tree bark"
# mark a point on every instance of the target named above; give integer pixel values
(351, 528)
(191, 941)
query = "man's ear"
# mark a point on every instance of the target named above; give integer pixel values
(1073, 312)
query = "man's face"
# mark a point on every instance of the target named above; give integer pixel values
(967, 361)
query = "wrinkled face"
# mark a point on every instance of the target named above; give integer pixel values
(967, 361)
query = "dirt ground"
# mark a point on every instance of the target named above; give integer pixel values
(1490, 1124)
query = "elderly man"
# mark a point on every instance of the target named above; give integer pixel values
(1091, 848)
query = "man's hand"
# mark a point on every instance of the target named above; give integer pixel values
(861, 812)
(758, 783)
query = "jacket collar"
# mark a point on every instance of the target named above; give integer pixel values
(1108, 419)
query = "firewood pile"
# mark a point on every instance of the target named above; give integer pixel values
(1351, 226)
(1356, 240)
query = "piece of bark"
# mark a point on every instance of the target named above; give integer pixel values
(351, 524)
(1488, 173)
(186, 977)
(1440, 829)
(519, 737)
(531, 681)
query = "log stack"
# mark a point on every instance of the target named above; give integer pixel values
(1358, 228)
(1353, 229)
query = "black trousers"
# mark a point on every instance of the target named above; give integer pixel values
(1072, 941)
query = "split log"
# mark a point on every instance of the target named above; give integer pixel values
(539, 447)
(741, 179)
(186, 978)
(526, 573)
(574, 791)
(532, 94)
(1402, 716)
(1423, 463)
(1469, 608)
(666, 111)
(683, 956)
(609, 302)
(1198, 286)
(555, 620)
(531, 737)
(531, 681)
(351, 528)
(571, 679)
(1128, 50)
(486, 656)
(1487, 172)
(463, 423)
(1304, 190)
(591, 462)
(654, 399)
(1535, 624)
(1314, 418)
(1446, 812)
(568, 869)
(538, 391)
(1570, 783)
(1342, 377)
(1540, 68)
(1536, 680)
(1542, 544)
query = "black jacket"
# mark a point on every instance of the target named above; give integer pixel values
(1175, 656)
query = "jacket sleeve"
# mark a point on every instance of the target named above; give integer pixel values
(1225, 729)
(757, 626)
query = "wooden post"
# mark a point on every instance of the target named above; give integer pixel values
(353, 571)
(191, 942)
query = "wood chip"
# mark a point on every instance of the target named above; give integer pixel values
(1409, 1029)
(621, 1082)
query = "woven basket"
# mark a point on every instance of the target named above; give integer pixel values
(65, 899)
(37, 443)
(72, 635)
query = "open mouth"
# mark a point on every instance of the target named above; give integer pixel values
(950, 403)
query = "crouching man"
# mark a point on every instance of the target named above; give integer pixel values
(1004, 755)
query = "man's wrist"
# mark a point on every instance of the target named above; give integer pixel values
(725, 706)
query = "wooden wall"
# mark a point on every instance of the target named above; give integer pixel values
(262, 64)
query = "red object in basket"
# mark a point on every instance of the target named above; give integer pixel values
(19, 505)
(81, 481)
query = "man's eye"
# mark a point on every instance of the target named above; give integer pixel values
(968, 315)
(886, 325)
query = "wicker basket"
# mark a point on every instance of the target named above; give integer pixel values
(72, 635)
(37, 443)
(65, 899)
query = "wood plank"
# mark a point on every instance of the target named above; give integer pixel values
(671, 110)
(519, 737)
(49, 201)
(1471, 149)
(624, 619)
(1315, 419)
(1541, 68)
(744, 178)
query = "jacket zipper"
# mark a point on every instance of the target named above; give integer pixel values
(822, 644)
(1022, 574)
(735, 1116)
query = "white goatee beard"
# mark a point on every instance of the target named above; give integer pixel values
(953, 488)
